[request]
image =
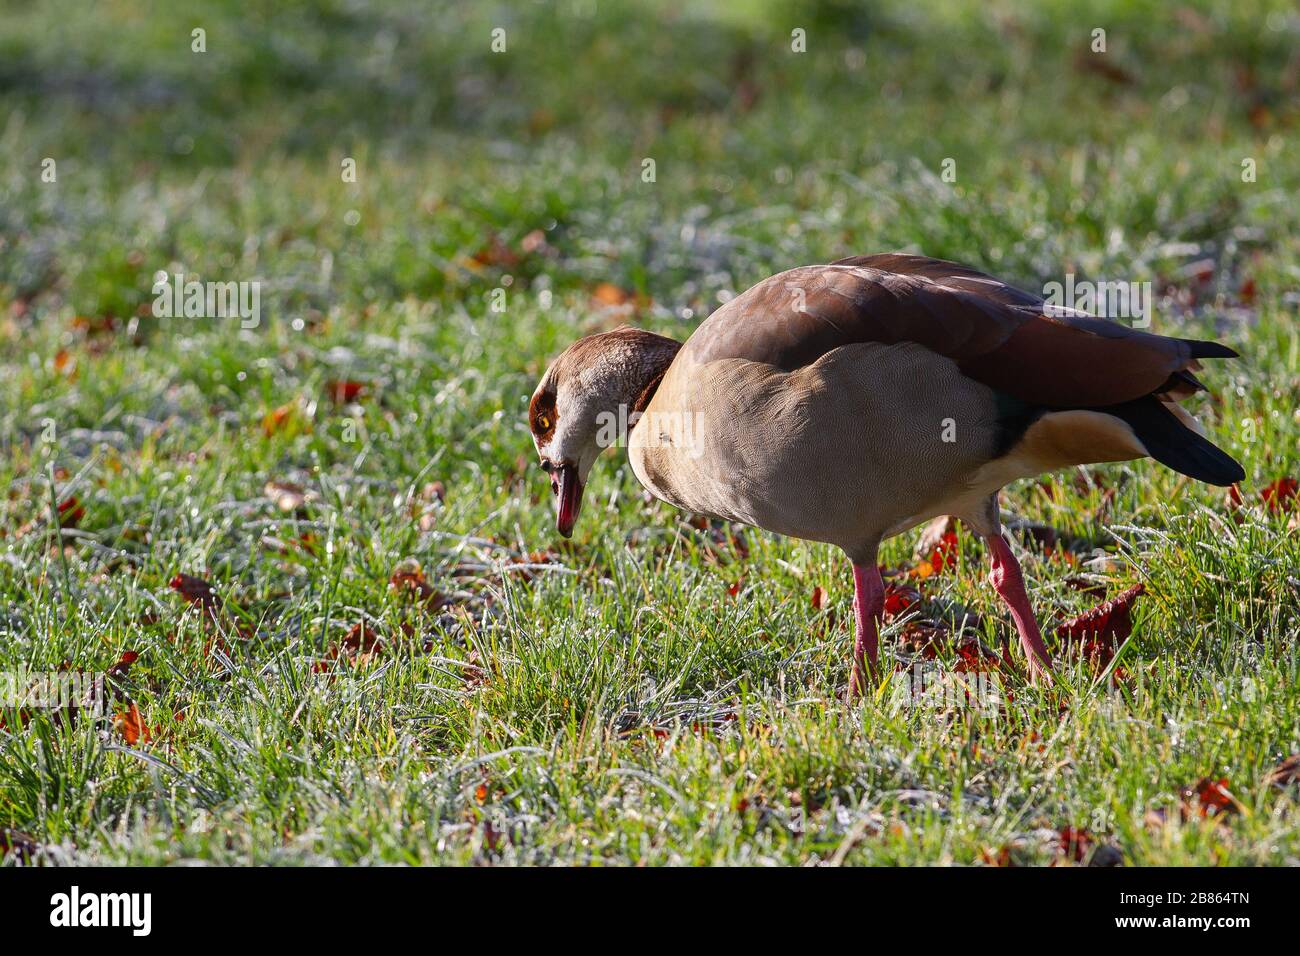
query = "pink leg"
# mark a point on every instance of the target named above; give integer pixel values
(1010, 584)
(868, 604)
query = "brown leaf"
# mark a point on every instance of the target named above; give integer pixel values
(276, 419)
(496, 254)
(132, 726)
(608, 297)
(409, 579)
(1001, 857)
(197, 591)
(1103, 65)
(21, 845)
(286, 495)
(359, 647)
(1286, 773)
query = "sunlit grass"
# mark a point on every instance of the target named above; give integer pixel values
(648, 693)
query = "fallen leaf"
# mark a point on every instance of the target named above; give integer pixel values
(132, 726)
(1232, 499)
(286, 495)
(607, 294)
(933, 534)
(898, 598)
(359, 647)
(1074, 843)
(1280, 496)
(409, 579)
(1103, 65)
(346, 392)
(496, 254)
(197, 592)
(1209, 797)
(70, 513)
(943, 556)
(21, 845)
(535, 242)
(945, 553)
(123, 664)
(1001, 857)
(1286, 773)
(1097, 633)
(276, 419)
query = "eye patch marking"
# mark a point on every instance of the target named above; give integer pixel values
(542, 416)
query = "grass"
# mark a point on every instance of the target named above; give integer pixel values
(654, 692)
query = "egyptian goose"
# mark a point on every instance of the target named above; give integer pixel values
(850, 402)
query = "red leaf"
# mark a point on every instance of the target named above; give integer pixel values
(945, 553)
(898, 598)
(70, 513)
(123, 664)
(1212, 797)
(1074, 843)
(346, 392)
(943, 556)
(818, 598)
(198, 592)
(1098, 632)
(1280, 495)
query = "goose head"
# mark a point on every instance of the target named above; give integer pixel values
(584, 403)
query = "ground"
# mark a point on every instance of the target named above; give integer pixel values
(318, 561)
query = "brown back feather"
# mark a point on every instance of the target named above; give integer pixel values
(997, 334)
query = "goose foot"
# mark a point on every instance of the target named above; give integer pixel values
(868, 605)
(1009, 582)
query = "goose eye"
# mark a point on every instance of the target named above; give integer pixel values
(543, 423)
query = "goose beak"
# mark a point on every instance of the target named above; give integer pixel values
(568, 489)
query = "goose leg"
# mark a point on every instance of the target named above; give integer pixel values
(1007, 578)
(868, 604)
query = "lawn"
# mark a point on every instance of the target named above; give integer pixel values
(316, 556)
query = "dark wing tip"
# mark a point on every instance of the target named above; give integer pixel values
(1203, 349)
(1176, 446)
